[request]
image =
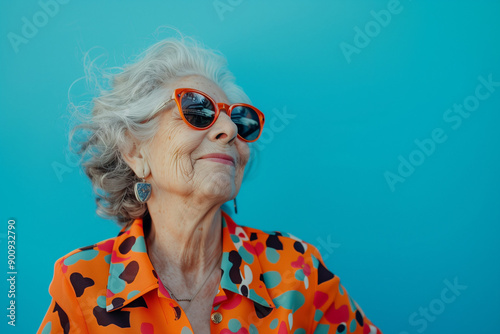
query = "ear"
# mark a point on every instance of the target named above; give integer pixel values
(134, 155)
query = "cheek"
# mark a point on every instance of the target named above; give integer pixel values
(171, 154)
(244, 153)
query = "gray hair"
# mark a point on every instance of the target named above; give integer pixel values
(134, 95)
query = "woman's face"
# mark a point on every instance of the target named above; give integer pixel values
(177, 155)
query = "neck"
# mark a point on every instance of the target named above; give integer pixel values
(184, 243)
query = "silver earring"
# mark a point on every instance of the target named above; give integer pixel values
(235, 206)
(142, 190)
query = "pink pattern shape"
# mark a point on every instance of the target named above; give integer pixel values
(106, 246)
(116, 259)
(302, 265)
(282, 329)
(219, 299)
(147, 328)
(162, 289)
(320, 299)
(254, 250)
(337, 316)
(233, 303)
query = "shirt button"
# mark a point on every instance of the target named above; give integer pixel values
(216, 317)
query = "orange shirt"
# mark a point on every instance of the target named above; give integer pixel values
(271, 283)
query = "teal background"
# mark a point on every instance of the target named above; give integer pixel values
(321, 171)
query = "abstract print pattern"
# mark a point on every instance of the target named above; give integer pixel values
(271, 282)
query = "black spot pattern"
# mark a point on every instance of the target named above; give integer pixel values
(299, 247)
(126, 245)
(324, 274)
(87, 247)
(253, 236)
(130, 271)
(261, 311)
(341, 328)
(63, 318)
(119, 318)
(178, 312)
(80, 283)
(139, 302)
(117, 302)
(359, 318)
(273, 241)
(155, 274)
(244, 290)
(234, 272)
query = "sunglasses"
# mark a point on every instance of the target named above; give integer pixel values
(199, 111)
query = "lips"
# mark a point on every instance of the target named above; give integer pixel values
(220, 158)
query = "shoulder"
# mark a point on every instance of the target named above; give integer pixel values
(296, 261)
(278, 240)
(88, 253)
(291, 269)
(90, 262)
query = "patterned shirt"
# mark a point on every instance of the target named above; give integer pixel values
(270, 283)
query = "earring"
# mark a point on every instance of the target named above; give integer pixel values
(235, 206)
(142, 190)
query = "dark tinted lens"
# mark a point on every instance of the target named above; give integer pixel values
(197, 109)
(247, 121)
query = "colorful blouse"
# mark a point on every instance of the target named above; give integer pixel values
(271, 283)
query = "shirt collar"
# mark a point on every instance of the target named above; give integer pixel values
(131, 273)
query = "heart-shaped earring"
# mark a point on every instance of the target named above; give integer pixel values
(142, 190)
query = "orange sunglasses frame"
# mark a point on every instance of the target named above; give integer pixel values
(180, 92)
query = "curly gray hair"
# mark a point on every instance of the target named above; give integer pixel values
(134, 96)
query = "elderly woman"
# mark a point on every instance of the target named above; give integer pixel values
(166, 147)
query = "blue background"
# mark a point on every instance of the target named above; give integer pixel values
(322, 166)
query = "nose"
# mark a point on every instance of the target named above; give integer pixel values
(224, 129)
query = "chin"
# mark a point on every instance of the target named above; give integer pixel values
(222, 188)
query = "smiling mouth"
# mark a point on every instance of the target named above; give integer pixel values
(220, 158)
